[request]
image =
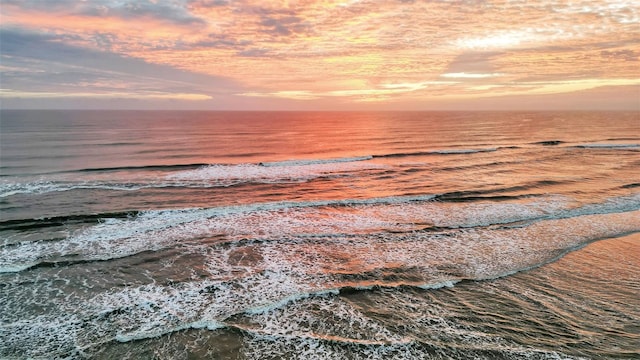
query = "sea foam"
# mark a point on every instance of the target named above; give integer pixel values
(282, 271)
(214, 175)
(158, 229)
(285, 171)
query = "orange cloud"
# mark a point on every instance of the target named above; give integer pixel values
(354, 51)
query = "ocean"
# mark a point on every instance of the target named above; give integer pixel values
(319, 235)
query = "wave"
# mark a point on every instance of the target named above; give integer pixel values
(258, 312)
(44, 222)
(455, 196)
(548, 142)
(608, 146)
(488, 194)
(316, 161)
(623, 139)
(141, 335)
(630, 186)
(401, 326)
(290, 171)
(282, 275)
(286, 278)
(315, 346)
(592, 145)
(322, 318)
(124, 235)
(170, 167)
(48, 186)
(437, 152)
(178, 216)
(480, 166)
(220, 175)
(196, 176)
(462, 151)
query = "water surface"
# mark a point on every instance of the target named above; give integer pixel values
(257, 235)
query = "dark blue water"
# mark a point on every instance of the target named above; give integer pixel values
(265, 235)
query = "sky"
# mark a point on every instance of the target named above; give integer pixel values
(320, 55)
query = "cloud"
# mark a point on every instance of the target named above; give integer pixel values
(600, 98)
(164, 11)
(208, 3)
(41, 62)
(292, 94)
(625, 55)
(381, 92)
(464, 75)
(336, 51)
(284, 26)
(254, 52)
(104, 40)
(216, 40)
(474, 62)
(170, 11)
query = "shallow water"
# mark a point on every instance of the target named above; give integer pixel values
(319, 235)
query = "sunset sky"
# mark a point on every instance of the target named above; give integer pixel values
(320, 55)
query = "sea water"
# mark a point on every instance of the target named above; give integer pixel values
(319, 235)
